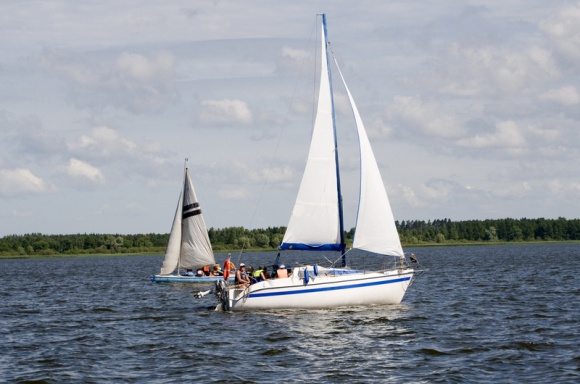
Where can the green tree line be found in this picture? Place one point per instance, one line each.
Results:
(412, 232)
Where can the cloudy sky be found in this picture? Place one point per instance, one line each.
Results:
(472, 107)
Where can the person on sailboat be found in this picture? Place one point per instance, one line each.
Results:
(242, 276)
(258, 274)
(282, 272)
(265, 273)
(217, 270)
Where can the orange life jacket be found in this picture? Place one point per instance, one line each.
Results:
(227, 269)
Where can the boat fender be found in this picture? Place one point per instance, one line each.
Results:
(306, 276)
(315, 268)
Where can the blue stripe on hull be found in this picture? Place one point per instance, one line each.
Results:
(311, 290)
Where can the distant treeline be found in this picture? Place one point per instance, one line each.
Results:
(412, 232)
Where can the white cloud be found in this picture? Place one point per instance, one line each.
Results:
(135, 208)
(512, 190)
(70, 66)
(506, 135)
(424, 117)
(565, 95)
(80, 170)
(409, 195)
(143, 68)
(564, 28)
(225, 112)
(21, 214)
(498, 70)
(21, 181)
(295, 54)
(131, 81)
(102, 142)
(544, 60)
(235, 194)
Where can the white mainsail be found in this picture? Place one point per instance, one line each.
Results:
(314, 223)
(189, 245)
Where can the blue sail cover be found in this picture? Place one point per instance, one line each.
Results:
(310, 247)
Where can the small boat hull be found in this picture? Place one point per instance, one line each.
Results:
(327, 290)
(186, 279)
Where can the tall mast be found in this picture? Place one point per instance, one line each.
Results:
(181, 207)
(338, 189)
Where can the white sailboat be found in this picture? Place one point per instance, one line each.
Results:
(316, 224)
(188, 248)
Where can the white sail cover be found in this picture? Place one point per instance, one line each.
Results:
(189, 245)
(375, 225)
(314, 223)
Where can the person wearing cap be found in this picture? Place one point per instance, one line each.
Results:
(282, 272)
(242, 276)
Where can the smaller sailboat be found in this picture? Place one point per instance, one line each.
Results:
(188, 249)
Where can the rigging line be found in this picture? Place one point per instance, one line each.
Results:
(277, 146)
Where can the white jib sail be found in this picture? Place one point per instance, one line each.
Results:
(196, 248)
(315, 217)
(375, 224)
(174, 244)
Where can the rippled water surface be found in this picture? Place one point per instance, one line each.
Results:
(505, 314)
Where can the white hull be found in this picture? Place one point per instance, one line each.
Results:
(327, 290)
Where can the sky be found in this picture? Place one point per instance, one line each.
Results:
(472, 109)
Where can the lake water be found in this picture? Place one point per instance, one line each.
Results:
(506, 314)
